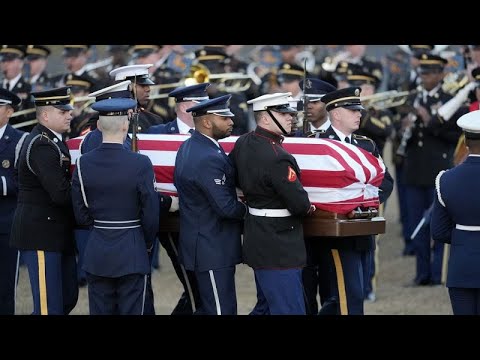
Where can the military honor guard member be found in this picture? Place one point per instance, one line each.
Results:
(43, 222)
(455, 221)
(341, 258)
(10, 143)
(113, 192)
(211, 215)
(140, 77)
(37, 60)
(317, 115)
(269, 176)
(185, 97)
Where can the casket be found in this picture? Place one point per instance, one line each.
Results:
(338, 178)
(321, 223)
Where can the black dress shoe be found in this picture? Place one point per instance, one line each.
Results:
(418, 283)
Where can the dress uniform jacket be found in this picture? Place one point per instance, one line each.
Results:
(167, 128)
(432, 144)
(44, 218)
(118, 187)
(386, 188)
(455, 213)
(210, 216)
(269, 177)
(146, 119)
(10, 145)
(376, 125)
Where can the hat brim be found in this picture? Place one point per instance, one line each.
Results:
(224, 114)
(353, 107)
(145, 81)
(64, 107)
(286, 110)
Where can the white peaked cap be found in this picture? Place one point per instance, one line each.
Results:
(123, 72)
(263, 102)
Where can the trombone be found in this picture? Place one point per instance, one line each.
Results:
(199, 74)
(385, 100)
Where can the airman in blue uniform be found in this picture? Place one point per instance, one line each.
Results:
(10, 143)
(211, 214)
(113, 192)
(455, 221)
(185, 97)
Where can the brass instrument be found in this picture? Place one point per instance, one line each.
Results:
(99, 64)
(454, 81)
(330, 63)
(385, 100)
(199, 74)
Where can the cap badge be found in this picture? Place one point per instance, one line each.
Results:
(424, 56)
(357, 92)
(5, 164)
(308, 84)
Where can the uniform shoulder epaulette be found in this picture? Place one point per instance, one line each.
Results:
(44, 139)
(314, 133)
(364, 138)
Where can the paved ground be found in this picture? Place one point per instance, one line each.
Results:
(393, 298)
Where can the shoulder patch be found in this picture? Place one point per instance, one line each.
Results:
(292, 175)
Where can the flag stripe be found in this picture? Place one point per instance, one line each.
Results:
(337, 176)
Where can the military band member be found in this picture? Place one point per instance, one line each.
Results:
(185, 98)
(10, 143)
(375, 124)
(211, 215)
(43, 222)
(113, 192)
(141, 82)
(341, 258)
(455, 221)
(269, 176)
(12, 59)
(75, 58)
(82, 114)
(37, 60)
(427, 139)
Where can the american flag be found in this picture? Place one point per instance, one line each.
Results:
(337, 176)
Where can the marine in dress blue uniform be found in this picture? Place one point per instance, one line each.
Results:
(341, 258)
(269, 176)
(211, 215)
(455, 221)
(43, 222)
(185, 97)
(10, 143)
(113, 192)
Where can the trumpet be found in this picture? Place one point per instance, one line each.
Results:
(385, 100)
(330, 63)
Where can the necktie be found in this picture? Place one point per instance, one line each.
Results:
(191, 131)
(7, 86)
(347, 140)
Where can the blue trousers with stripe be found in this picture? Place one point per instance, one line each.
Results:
(217, 292)
(53, 278)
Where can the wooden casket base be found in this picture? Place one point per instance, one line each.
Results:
(324, 223)
(321, 223)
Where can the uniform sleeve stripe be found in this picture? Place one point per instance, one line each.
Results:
(437, 188)
(4, 184)
(18, 148)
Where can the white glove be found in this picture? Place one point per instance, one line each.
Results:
(174, 206)
(447, 110)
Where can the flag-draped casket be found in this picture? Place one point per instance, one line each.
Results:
(338, 177)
